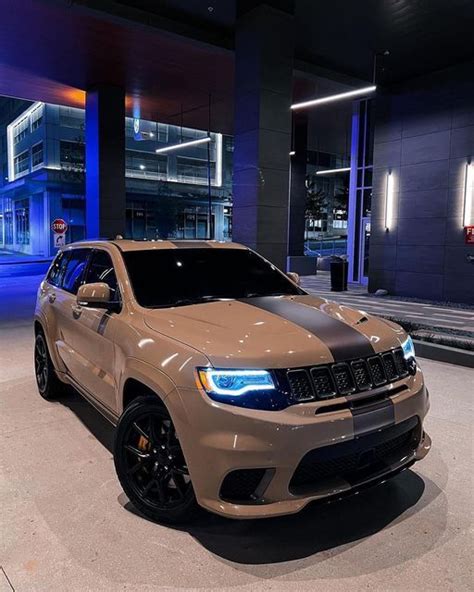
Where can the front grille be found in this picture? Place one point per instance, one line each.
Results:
(240, 485)
(356, 460)
(326, 382)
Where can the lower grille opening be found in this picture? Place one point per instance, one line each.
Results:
(356, 460)
(240, 485)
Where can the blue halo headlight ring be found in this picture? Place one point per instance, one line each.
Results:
(234, 383)
(409, 354)
(408, 348)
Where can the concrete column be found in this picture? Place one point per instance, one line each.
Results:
(105, 162)
(297, 201)
(264, 67)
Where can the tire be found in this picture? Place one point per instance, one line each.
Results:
(150, 463)
(47, 381)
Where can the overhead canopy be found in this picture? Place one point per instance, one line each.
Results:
(171, 55)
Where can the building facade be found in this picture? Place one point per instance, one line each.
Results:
(423, 187)
(183, 193)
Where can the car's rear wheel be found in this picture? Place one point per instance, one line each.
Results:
(49, 385)
(150, 463)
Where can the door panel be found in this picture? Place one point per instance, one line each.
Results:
(94, 353)
(93, 339)
(63, 305)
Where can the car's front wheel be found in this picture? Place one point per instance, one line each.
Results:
(150, 463)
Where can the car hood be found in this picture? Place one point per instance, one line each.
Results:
(275, 331)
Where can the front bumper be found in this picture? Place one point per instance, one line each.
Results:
(218, 439)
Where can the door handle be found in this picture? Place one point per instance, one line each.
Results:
(76, 310)
(52, 297)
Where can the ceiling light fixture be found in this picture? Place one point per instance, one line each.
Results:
(334, 171)
(331, 98)
(183, 145)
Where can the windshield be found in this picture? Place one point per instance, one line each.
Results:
(176, 277)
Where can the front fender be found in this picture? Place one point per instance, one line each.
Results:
(153, 378)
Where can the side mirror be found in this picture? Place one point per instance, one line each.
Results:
(95, 295)
(294, 277)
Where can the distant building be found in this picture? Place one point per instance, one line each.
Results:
(43, 154)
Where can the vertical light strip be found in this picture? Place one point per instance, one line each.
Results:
(10, 128)
(218, 175)
(468, 195)
(389, 202)
(10, 155)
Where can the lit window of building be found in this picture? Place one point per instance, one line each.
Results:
(37, 155)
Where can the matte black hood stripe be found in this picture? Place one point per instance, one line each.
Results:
(344, 342)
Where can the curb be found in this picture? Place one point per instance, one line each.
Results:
(20, 262)
(444, 353)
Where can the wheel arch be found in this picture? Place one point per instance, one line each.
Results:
(40, 325)
(133, 388)
(139, 379)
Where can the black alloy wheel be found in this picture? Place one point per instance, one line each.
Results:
(48, 383)
(150, 463)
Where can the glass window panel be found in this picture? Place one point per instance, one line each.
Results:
(21, 162)
(37, 154)
(101, 269)
(75, 270)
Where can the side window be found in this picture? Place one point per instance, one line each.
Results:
(75, 270)
(57, 269)
(101, 269)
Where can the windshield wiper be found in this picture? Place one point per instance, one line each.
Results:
(197, 300)
(258, 295)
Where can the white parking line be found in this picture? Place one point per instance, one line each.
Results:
(417, 311)
(450, 311)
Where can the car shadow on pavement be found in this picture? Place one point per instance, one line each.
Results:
(96, 423)
(319, 527)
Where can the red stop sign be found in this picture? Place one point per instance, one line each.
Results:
(59, 226)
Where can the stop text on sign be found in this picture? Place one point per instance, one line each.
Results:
(59, 226)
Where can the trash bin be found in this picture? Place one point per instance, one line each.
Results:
(339, 269)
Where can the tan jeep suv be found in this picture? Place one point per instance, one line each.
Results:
(230, 386)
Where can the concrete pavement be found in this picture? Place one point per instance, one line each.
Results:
(66, 525)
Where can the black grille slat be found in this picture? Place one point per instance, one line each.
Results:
(389, 365)
(400, 362)
(300, 385)
(323, 382)
(377, 370)
(344, 378)
(361, 375)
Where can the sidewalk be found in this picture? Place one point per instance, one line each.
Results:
(425, 314)
(9, 258)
